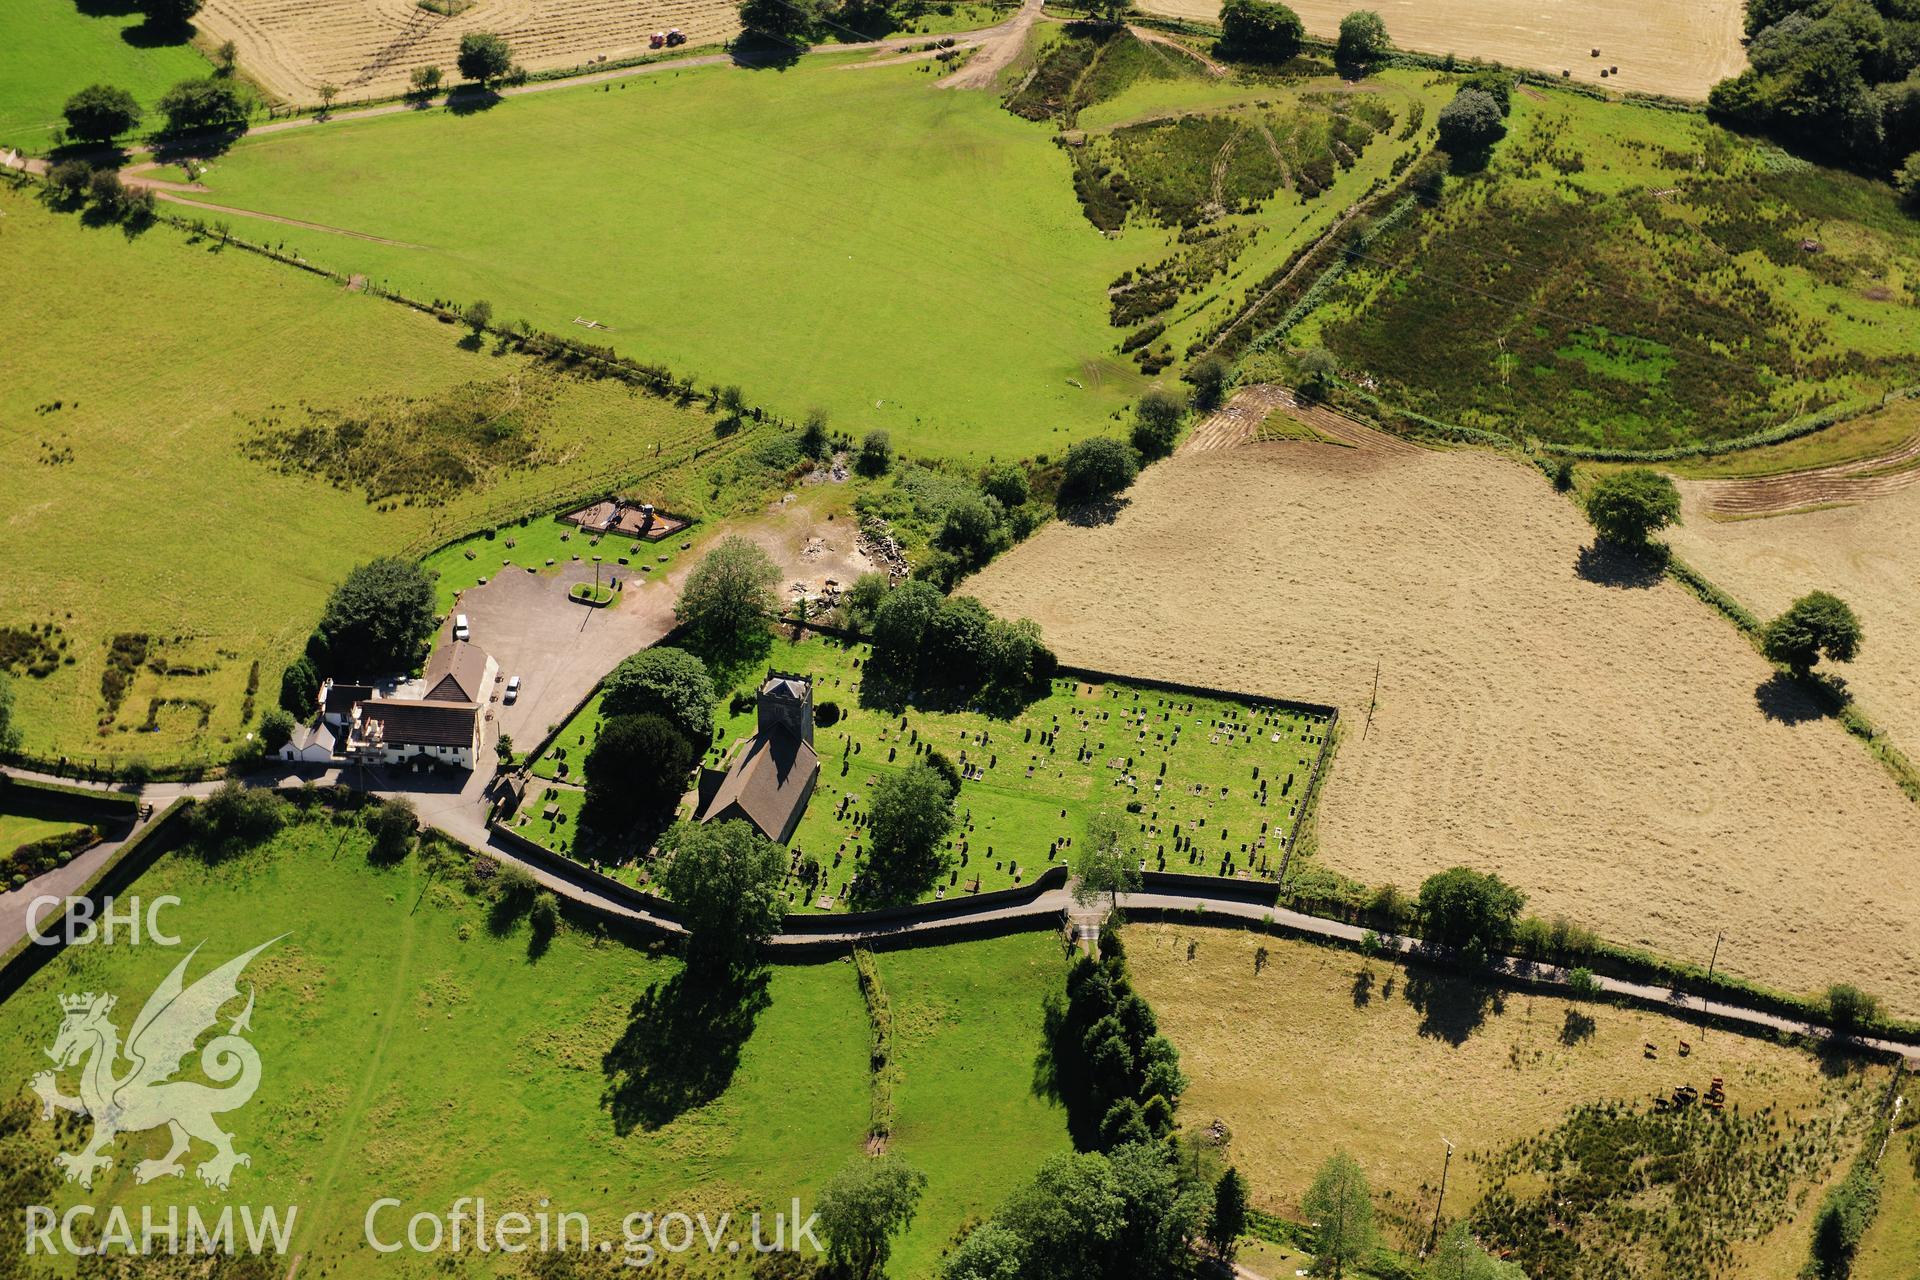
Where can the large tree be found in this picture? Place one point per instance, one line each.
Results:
(989, 1252)
(663, 681)
(1097, 468)
(910, 813)
(726, 879)
(1470, 123)
(899, 625)
(862, 1207)
(785, 22)
(1228, 1221)
(1341, 1208)
(484, 57)
(1156, 423)
(170, 14)
(1108, 859)
(636, 770)
(377, 620)
(1259, 31)
(1363, 39)
(728, 597)
(1629, 506)
(212, 103)
(1471, 911)
(1815, 624)
(100, 113)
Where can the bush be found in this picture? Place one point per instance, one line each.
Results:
(393, 823)
(876, 454)
(276, 727)
(1005, 483)
(236, 816)
(1209, 379)
(1849, 1009)
(107, 191)
(975, 531)
(1629, 505)
(1096, 469)
(70, 179)
(100, 113)
(299, 688)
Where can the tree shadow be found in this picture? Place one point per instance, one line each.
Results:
(1092, 515)
(755, 51)
(1608, 564)
(1452, 1008)
(157, 35)
(681, 1046)
(470, 99)
(1363, 988)
(1788, 701)
(1577, 1029)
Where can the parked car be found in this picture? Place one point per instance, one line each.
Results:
(460, 629)
(513, 689)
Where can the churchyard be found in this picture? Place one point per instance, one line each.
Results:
(1217, 786)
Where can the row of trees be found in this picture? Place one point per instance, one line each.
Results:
(952, 648)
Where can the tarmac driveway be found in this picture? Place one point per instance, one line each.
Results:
(558, 648)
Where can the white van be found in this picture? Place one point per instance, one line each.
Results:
(460, 631)
(513, 689)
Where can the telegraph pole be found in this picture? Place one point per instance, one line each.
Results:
(1703, 995)
(1433, 1237)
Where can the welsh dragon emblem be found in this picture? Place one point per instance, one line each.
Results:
(143, 1095)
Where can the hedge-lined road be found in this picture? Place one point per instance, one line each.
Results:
(462, 816)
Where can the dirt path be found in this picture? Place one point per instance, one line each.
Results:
(1147, 35)
(998, 47)
(1856, 481)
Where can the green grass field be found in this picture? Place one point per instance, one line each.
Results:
(56, 48)
(17, 829)
(134, 374)
(1205, 814)
(414, 1046)
(967, 1023)
(936, 280)
(1632, 278)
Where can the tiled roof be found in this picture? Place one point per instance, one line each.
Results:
(455, 672)
(768, 783)
(428, 723)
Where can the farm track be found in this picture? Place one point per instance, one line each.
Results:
(997, 47)
(1856, 481)
(1238, 423)
(1147, 35)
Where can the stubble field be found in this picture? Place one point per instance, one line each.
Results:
(1863, 552)
(368, 48)
(1617, 751)
(1679, 49)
